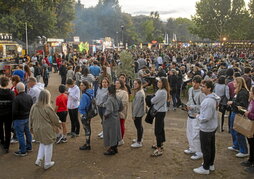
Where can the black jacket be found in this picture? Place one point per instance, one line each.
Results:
(21, 106)
(241, 99)
(6, 99)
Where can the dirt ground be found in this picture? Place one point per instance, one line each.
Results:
(128, 163)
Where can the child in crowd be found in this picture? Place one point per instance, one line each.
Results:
(62, 111)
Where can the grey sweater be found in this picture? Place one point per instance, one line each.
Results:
(160, 100)
(138, 104)
(198, 97)
(221, 90)
(208, 117)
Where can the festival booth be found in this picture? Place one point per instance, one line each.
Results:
(9, 49)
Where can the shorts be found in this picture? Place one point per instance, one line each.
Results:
(62, 115)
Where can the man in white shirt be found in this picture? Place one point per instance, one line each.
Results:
(34, 88)
(72, 105)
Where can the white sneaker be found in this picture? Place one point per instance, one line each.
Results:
(241, 155)
(49, 165)
(188, 151)
(100, 134)
(38, 162)
(233, 149)
(135, 140)
(101, 137)
(120, 143)
(201, 171)
(196, 157)
(14, 141)
(136, 145)
(212, 168)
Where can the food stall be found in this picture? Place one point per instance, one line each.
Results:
(9, 49)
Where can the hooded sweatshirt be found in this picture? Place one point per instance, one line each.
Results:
(34, 92)
(85, 101)
(208, 117)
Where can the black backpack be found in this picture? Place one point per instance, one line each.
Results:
(92, 109)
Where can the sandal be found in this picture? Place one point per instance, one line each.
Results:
(156, 153)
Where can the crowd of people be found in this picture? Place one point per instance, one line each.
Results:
(215, 82)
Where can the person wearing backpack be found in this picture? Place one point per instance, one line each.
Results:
(222, 90)
(85, 103)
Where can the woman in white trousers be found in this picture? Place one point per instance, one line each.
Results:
(43, 124)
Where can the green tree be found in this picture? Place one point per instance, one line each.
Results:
(215, 19)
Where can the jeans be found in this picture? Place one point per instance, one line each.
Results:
(75, 126)
(95, 85)
(87, 127)
(159, 128)
(139, 127)
(207, 140)
(21, 127)
(174, 99)
(239, 141)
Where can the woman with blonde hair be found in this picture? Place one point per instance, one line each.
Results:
(240, 100)
(43, 124)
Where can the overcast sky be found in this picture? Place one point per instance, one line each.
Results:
(166, 8)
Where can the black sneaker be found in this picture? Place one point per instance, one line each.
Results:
(29, 150)
(64, 140)
(110, 152)
(18, 153)
(246, 163)
(59, 138)
(250, 169)
(85, 147)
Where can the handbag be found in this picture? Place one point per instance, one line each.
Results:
(223, 102)
(244, 126)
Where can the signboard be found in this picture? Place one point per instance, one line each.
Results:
(76, 39)
(55, 40)
(5, 36)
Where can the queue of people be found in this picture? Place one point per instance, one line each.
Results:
(216, 82)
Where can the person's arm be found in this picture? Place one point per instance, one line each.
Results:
(137, 106)
(109, 108)
(206, 113)
(53, 117)
(159, 96)
(31, 119)
(15, 108)
(227, 92)
(83, 104)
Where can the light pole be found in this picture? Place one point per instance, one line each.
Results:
(122, 26)
(117, 39)
(26, 39)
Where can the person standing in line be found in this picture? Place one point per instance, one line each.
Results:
(43, 124)
(138, 111)
(240, 100)
(208, 123)
(37, 71)
(111, 124)
(101, 98)
(62, 112)
(63, 73)
(45, 74)
(73, 104)
(192, 131)
(34, 88)
(123, 96)
(250, 115)
(159, 102)
(221, 89)
(6, 98)
(85, 102)
(70, 73)
(20, 113)
(95, 70)
(78, 75)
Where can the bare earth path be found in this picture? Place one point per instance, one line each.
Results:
(128, 163)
